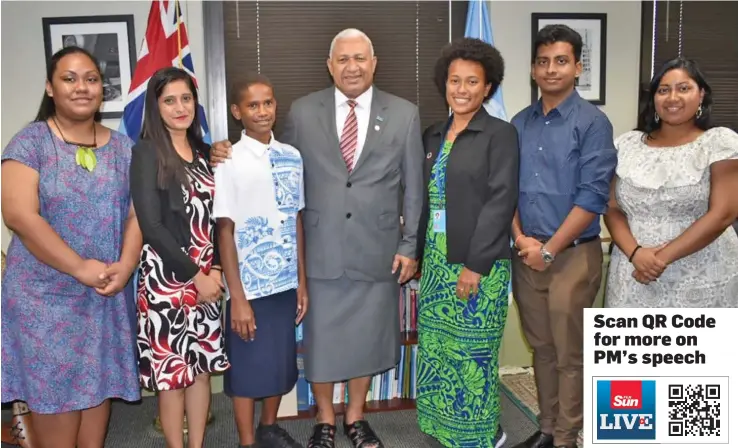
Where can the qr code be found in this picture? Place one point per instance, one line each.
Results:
(694, 410)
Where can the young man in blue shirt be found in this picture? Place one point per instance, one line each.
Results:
(567, 161)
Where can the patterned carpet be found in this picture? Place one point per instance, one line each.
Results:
(519, 385)
(131, 427)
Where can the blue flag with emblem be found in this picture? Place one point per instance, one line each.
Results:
(479, 26)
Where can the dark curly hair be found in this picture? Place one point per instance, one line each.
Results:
(647, 118)
(475, 50)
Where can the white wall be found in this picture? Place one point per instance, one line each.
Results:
(511, 22)
(23, 69)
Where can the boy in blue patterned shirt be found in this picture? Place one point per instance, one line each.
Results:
(258, 199)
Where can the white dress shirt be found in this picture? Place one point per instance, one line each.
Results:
(363, 110)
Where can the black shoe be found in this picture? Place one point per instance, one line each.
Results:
(274, 436)
(537, 440)
(362, 435)
(324, 436)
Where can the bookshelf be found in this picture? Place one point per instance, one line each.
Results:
(392, 390)
(295, 406)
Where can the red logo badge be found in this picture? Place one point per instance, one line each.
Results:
(626, 395)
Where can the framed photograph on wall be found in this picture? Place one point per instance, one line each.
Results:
(593, 29)
(111, 39)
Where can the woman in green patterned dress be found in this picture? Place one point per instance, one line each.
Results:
(471, 174)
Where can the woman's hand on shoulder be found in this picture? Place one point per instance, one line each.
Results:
(219, 152)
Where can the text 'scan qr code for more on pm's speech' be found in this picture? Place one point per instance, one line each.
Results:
(695, 410)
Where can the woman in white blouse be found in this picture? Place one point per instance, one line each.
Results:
(674, 200)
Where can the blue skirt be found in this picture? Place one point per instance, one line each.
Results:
(266, 366)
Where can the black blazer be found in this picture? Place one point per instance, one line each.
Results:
(481, 190)
(161, 213)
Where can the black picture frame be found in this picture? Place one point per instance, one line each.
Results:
(593, 28)
(111, 38)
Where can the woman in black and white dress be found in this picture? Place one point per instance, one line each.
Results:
(180, 341)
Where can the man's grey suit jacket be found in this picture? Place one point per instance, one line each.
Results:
(352, 221)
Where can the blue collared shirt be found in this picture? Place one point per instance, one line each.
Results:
(567, 159)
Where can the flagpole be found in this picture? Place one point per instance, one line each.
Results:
(450, 17)
(481, 36)
(179, 37)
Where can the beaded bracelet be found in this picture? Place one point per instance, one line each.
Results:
(630, 260)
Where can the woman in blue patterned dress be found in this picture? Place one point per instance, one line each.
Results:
(67, 316)
(471, 173)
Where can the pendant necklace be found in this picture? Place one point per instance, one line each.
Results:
(85, 155)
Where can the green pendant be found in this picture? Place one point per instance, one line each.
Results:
(86, 158)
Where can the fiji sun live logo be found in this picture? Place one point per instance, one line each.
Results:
(625, 410)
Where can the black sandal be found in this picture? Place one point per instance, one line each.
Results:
(362, 435)
(324, 436)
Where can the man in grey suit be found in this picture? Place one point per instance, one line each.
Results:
(363, 159)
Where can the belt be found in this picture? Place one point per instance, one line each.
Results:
(574, 243)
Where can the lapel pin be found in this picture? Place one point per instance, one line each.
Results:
(379, 118)
(430, 154)
(376, 127)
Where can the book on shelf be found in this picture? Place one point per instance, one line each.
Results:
(398, 383)
(409, 307)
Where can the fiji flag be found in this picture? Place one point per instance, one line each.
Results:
(479, 26)
(165, 45)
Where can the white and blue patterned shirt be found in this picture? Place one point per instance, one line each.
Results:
(260, 188)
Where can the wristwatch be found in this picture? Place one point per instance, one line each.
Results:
(547, 256)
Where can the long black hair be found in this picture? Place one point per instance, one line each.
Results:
(171, 167)
(647, 119)
(47, 109)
